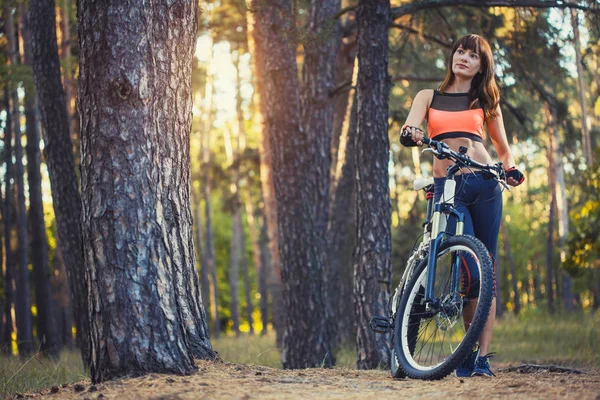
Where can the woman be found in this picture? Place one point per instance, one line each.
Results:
(467, 100)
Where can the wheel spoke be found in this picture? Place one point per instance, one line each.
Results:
(429, 339)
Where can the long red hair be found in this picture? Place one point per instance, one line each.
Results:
(484, 90)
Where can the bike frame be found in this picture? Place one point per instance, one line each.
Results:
(435, 222)
(442, 210)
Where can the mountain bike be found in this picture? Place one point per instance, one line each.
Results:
(429, 334)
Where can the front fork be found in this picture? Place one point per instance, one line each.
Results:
(441, 212)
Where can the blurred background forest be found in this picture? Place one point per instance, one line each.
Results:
(548, 69)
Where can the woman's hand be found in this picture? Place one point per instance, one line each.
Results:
(514, 177)
(411, 135)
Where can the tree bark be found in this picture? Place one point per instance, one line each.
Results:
(23, 299)
(66, 61)
(59, 158)
(319, 78)
(552, 215)
(261, 261)
(46, 324)
(204, 270)
(146, 312)
(273, 274)
(372, 263)
(563, 215)
(211, 263)
(9, 260)
(306, 342)
(62, 300)
(585, 132)
(341, 237)
(239, 151)
(247, 286)
(234, 271)
(263, 277)
(346, 55)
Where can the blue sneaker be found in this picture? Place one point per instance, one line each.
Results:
(465, 368)
(482, 366)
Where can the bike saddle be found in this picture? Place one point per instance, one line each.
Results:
(422, 183)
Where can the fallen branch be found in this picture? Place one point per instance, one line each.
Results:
(529, 368)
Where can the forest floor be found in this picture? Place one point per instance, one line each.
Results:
(222, 380)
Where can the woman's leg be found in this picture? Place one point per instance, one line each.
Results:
(486, 336)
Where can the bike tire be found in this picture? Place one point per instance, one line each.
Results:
(395, 369)
(426, 355)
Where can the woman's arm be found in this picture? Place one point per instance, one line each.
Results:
(417, 113)
(497, 133)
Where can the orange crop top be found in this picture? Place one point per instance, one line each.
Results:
(449, 116)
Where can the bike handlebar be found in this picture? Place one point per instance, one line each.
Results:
(442, 151)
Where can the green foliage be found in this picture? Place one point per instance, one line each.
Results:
(226, 19)
(584, 236)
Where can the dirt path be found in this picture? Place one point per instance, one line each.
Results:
(235, 381)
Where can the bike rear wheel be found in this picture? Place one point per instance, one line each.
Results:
(430, 344)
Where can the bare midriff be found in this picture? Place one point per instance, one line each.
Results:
(475, 150)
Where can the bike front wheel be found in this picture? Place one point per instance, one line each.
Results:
(429, 342)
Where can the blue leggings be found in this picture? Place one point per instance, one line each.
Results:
(480, 200)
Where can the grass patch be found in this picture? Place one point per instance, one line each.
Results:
(537, 337)
(249, 349)
(569, 340)
(25, 375)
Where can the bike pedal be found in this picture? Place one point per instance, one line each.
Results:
(381, 324)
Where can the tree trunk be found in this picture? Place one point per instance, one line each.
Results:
(239, 151)
(236, 222)
(341, 238)
(346, 54)
(9, 260)
(3, 283)
(537, 284)
(317, 106)
(62, 301)
(306, 341)
(273, 273)
(263, 278)
(499, 296)
(234, 272)
(319, 78)
(59, 158)
(513, 272)
(260, 261)
(551, 217)
(146, 312)
(204, 270)
(46, 324)
(563, 215)
(206, 191)
(23, 300)
(247, 286)
(67, 63)
(585, 132)
(211, 264)
(372, 263)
